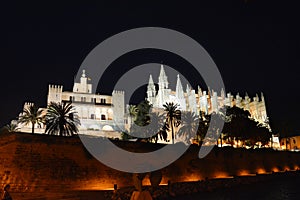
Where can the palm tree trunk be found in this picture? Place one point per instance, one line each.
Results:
(221, 140)
(32, 128)
(172, 130)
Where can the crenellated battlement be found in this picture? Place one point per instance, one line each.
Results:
(28, 104)
(55, 88)
(118, 92)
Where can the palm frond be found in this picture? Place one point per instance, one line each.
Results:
(61, 119)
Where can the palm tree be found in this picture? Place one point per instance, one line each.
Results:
(133, 110)
(190, 123)
(173, 116)
(31, 114)
(12, 127)
(154, 129)
(61, 119)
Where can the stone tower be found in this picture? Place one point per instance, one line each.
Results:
(83, 86)
(55, 93)
(118, 105)
(151, 92)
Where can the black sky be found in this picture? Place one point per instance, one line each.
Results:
(255, 45)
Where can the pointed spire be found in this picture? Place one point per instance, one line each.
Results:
(187, 88)
(208, 91)
(262, 96)
(163, 79)
(162, 71)
(150, 80)
(179, 88)
(199, 91)
(151, 87)
(256, 97)
(223, 93)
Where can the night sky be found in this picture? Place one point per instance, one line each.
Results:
(255, 45)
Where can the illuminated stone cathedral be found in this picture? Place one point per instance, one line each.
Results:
(205, 101)
(105, 115)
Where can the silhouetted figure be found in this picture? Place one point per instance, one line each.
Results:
(6, 195)
(140, 194)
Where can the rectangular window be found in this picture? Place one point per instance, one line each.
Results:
(103, 101)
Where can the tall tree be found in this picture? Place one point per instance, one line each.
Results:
(189, 126)
(155, 126)
(203, 127)
(142, 116)
(31, 114)
(61, 119)
(173, 116)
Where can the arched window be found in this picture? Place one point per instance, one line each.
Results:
(103, 117)
(93, 116)
(72, 98)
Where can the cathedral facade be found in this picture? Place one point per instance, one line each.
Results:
(205, 101)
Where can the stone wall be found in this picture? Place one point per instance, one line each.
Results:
(41, 163)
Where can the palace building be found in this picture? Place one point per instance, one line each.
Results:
(97, 113)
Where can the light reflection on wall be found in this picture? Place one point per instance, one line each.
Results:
(222, 175)
(286, 168)
(192, 177)
(275, 169)
(243, 173)
(261, 171)
(96, 185)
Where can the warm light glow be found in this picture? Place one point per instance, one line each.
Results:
(275, 169)
(261, 171)
(107, 128)
(243, 173)
(286, 168)
(146, 181)
(96, 185)
(222, 175)
(192, 178)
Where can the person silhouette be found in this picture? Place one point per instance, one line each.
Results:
(6, 195)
